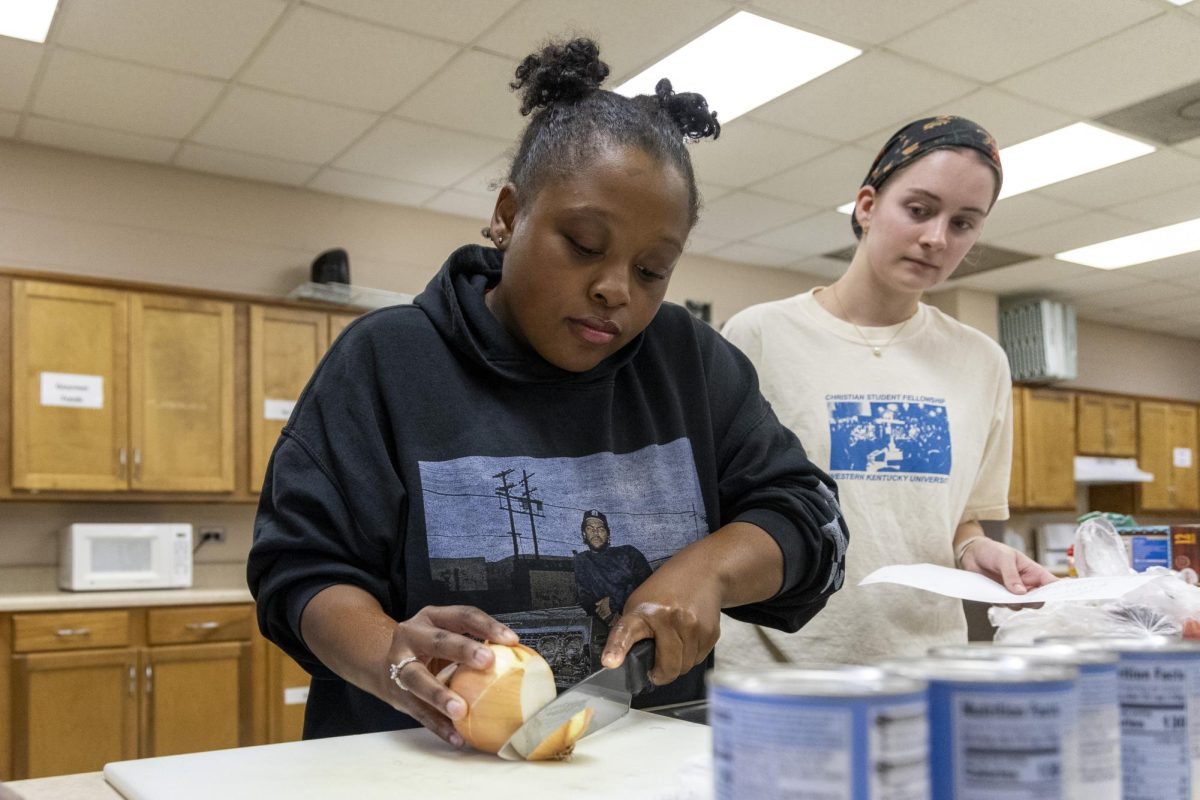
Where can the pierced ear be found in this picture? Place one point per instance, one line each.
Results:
(504, 216)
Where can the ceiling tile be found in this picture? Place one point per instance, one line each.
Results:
(1070, 233)
(268, 124)
(119, 96)
(1191, 146)
(418, 153)
(1026, 277)
(1150, 174)
(710, 192)
(1024, 211)
(885, 89)
(820, 233)
(1184, 305)
(324, 56)
(1146, 294)
(210, 38)
(8, 123)
(371, 187)
(827, 181)
(741, 214)
(856, 22)
(1167, 269)
(1105, 76)
(486, 180)
(456, 20)
(1095, 281)
(749, 150)
(1163, 209)
(632, 34)
(471, 94)
(1009, 118)
(992, 39)
(18, 65)
(464, 204)
(244, 165)
(699, 244)
(746, 253)
(101, 141)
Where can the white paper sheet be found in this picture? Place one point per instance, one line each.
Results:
(972, 586)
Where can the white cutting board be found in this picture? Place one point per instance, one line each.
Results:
(639, 757)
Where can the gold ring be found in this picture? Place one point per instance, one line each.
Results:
(394, 671)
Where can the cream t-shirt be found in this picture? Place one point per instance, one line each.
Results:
(918, 439)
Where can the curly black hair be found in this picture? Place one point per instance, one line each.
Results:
(571, 118)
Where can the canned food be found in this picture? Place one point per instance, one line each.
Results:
(999, 729)
(1158, 691)
(836, 732)
(1098, 761)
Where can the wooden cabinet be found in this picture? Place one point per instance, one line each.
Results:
(1046, 448)
(96, 686)
(338, 323)
(287, 692)
(1016, 482)
(121, 391)
(1167, 448)
(1106, 426)
(285, 347)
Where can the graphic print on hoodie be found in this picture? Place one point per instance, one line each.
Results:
(505, 533)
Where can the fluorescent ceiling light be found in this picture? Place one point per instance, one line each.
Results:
(1138, 248)
(1179, 2)
(742, 63)
(26, 19)
(1065, 153)
(847, 208)
(1056, 156)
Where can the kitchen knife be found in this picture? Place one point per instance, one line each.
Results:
(608, 692)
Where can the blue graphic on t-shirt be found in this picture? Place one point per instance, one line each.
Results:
(880, 437)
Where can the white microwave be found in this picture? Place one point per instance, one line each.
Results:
(97, 556)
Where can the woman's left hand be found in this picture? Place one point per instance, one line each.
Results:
(1008, 567)
(677, 608)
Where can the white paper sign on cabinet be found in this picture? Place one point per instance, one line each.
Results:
(277, 409)
(72, 391)
(1183, 457)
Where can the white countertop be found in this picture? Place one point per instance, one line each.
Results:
(84, 786)
(36, 589)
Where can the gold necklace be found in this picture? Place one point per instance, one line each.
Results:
(876, 350)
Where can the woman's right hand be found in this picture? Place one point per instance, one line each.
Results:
(438, 633)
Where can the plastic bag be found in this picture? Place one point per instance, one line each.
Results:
(1099, 549)
(1082, 618)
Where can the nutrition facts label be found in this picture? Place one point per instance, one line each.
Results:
(1013, 745)
(774, 748)
(1099, 734)
(1159, 726)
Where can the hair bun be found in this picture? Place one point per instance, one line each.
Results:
(560, 72)
(689, 111)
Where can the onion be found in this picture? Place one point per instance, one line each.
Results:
(500, 698)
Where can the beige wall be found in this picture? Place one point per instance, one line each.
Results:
(1115, 359)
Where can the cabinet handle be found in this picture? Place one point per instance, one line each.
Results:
(137, 463)
(132, 681)
(149, 679)
(73, 632)
(122, 462)
(202, 626)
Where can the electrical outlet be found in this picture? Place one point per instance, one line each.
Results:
(212, 533)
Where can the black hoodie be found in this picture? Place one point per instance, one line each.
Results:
(435, 460)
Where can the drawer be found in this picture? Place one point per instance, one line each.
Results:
(199, 624)
(70, 630)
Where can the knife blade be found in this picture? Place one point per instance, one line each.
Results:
(608, 692)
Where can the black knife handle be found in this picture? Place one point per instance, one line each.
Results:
(641, 661)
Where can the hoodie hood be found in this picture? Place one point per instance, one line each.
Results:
(454, 303)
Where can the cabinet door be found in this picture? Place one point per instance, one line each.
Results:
(1016, 483)
(1120, 418)
(338, 323)
(197, 697)
(1090, 430)
(285, 346)
(287, 688)
(1181, 431)
(181, 389)
(73, 712)
(70, 401)
(1154, 456)
(1049, 449)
